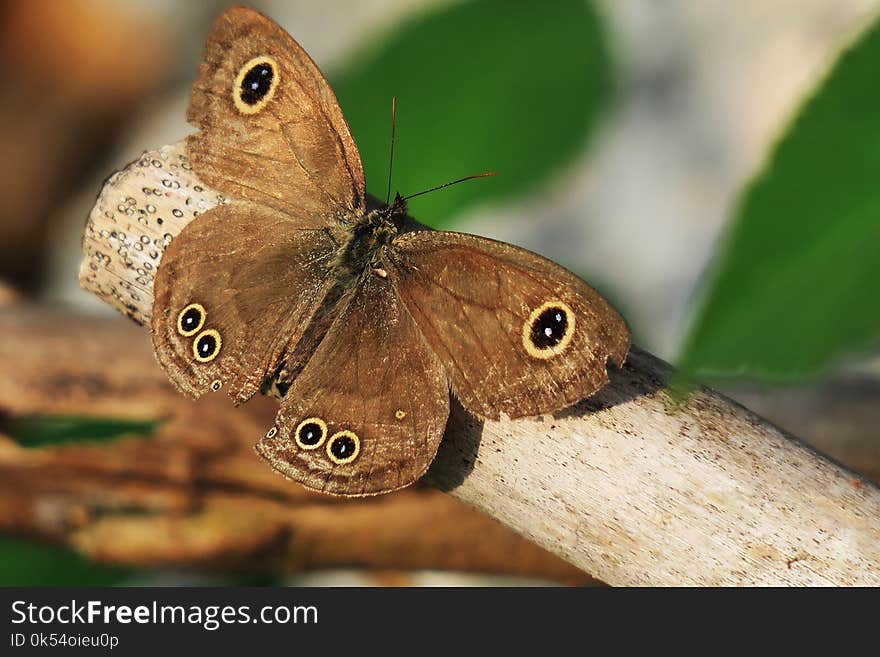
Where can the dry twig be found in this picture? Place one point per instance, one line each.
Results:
(194, 494)
(639, 489)
(628, 485)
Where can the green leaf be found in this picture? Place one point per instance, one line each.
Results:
(512, 86)
(794, 287)
(24, 563)
(42, 430)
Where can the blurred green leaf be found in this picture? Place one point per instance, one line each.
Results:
(794, 287)
(512, 86)
(41, 430)
(24, 563)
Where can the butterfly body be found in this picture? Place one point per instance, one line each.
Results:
(358, 321)
(362, 251)
(369, 238)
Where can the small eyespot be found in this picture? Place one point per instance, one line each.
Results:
(548, 330)
(207, 345)
(343, 447)
(255, 84)
(271, 433)
(400, 415)
(216, 384)
(191, 319)
(310, 433)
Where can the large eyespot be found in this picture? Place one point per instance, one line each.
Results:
(207, 345)
(343, 447)
(310, 433)
(191, 319)
(548, 330)
(255, 84)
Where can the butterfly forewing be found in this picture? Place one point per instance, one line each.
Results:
(233, 292)
(516, 333)
(373, 384)
(271, 130)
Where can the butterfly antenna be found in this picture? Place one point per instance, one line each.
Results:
(487, 174)
(391, 159)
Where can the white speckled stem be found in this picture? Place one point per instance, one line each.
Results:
(638, 489)
(630, 485)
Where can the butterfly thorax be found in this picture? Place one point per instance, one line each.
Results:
(368, 238)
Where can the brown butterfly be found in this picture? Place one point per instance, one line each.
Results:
(359, 323)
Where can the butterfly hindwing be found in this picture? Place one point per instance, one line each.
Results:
(233, 291)
(271, 130)
(373, 384)
(516, 333)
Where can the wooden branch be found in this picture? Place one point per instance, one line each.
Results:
(639, 489)
(703, 493)
(630, 485)
(194, 494)
(839, 417)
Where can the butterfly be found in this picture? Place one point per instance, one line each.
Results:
(302, 286)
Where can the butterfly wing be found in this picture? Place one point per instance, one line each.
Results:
(366, 414)
(233, 291)
(271, 130)
(515, 332)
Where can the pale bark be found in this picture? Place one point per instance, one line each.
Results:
(632, 486)
(639, 488)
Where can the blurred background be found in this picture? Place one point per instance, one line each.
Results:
(709, 166)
